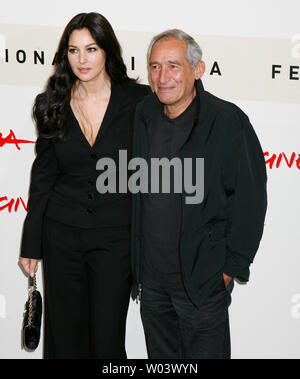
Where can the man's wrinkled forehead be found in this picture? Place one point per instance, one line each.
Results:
(168, 45)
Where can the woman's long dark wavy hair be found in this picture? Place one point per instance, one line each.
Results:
(51, 107)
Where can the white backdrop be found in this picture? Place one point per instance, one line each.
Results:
(246, 39)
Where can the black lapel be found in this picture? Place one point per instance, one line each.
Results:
(199, 145)
(206, 114)
(203, 125)
(117, 97)
(151, 119)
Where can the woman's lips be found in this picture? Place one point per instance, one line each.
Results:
(84, 70)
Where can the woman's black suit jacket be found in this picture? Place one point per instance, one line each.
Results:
(63, 177)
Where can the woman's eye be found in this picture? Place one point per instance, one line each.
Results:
(90, 50)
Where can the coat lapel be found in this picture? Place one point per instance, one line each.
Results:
(117, 97)
(206, 114)
(151, 122)
(199, 134)
(202, 141)
(197, 141)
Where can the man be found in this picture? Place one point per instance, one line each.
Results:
(186, 254)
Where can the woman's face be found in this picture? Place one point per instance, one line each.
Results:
(86, 58)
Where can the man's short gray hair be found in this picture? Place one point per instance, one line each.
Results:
(193, 50)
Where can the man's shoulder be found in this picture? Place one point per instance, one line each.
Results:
(228, 116)
(148, 105)
(224, 107)
(136, 90)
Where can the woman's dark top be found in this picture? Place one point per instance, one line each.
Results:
(63, 176)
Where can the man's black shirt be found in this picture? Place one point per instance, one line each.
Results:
(162, 211)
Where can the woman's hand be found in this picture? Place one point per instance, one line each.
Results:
(29, 265)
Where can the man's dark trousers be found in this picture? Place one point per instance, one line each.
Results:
(176, 329)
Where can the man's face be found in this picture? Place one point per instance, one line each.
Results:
(170, 72)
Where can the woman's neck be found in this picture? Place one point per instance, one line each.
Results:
(93, 89)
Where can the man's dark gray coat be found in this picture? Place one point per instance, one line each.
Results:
(223, 232)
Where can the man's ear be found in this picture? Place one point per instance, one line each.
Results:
(199, 70)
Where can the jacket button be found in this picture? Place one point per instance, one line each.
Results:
(93, 157)
(90, 196)
(89, 211)
(90, 182)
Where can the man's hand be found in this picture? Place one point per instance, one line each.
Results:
(29, 265)
(227, 279)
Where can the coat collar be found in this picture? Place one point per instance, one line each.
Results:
(117, 98)
(206, 113)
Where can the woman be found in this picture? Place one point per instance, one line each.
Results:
(83, 237)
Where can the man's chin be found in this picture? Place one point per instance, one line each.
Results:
(165, 98)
